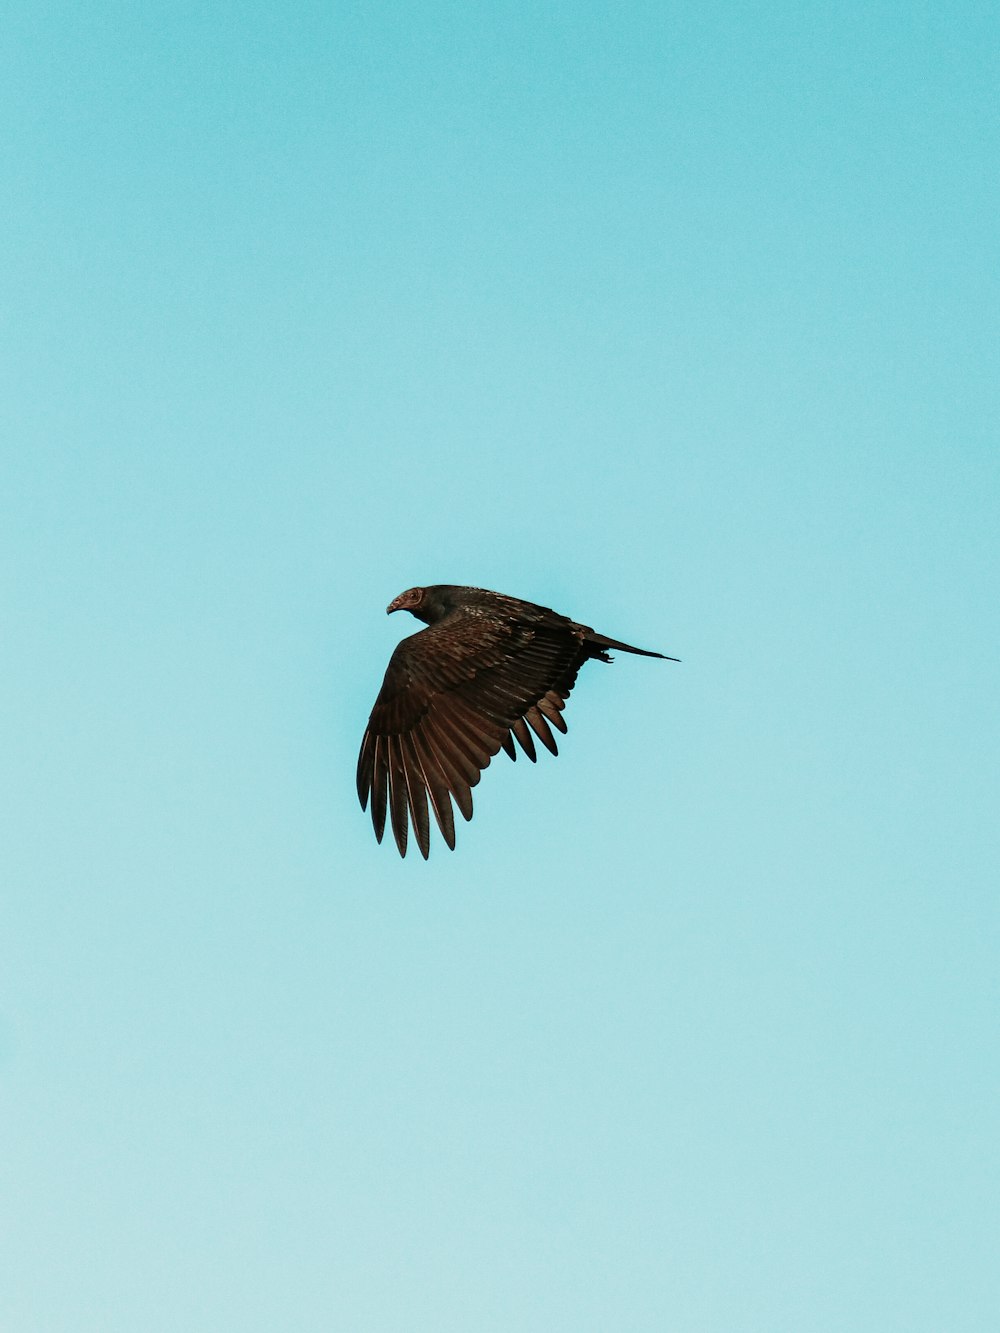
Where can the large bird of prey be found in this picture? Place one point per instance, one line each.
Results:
(487, 669)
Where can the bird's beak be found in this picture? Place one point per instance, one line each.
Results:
(393, 606)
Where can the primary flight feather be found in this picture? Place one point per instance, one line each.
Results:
(487, 671)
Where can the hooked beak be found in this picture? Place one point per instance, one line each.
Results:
(393, 606)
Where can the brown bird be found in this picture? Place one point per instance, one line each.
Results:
(488, 668)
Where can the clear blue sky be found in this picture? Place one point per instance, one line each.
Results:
(681, 318)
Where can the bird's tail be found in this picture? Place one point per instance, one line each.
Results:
(603, 642)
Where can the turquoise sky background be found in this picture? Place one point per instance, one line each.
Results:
(681, 319)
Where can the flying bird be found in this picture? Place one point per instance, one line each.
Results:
(489, 670)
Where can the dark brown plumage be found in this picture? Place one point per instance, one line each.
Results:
(489, 669)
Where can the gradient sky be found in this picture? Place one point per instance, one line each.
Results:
(681, 319)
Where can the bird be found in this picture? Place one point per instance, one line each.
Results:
(488, 670)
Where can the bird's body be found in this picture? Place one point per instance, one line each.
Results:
(489, 669)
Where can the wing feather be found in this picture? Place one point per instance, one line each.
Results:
(437, 785)
(379, 786)
(416, 792)
(541, 729)
(365, 769)
(397, 793)
(460, 771)
(520, 730)
(467, 750)
(550, 705)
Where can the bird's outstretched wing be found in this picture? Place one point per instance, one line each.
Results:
(453, 695)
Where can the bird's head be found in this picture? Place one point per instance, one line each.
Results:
(406, 601)
(424, 603)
